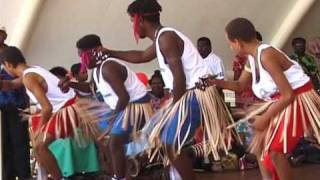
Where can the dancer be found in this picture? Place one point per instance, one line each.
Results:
(182, 67)
(294, 107)
(57, 117)
(123, 92)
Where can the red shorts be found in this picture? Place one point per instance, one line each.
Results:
(60, 124)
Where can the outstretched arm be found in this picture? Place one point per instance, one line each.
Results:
(238, 86)
(172, 47)
(134, 56)
(37, 86)
(65, 84)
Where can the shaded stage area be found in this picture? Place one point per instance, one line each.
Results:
(305, 172)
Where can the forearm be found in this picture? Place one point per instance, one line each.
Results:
(83, 87)
(9, 85)
(179, 89)
(130, 56)
(230, 85)
(278, 106)
(45, 115)
(121, 104)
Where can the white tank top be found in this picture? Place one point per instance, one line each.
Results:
(55, 96)
(134, 86)
(193, 64)
(266, 87)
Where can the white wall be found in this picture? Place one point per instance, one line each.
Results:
(9, 11)
(309, 27)
(62, 22)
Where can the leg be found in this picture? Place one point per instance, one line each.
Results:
(281, 165)
(45, 157)
(266, 175)
(116, 147)
(183, 164)
(20, 144)
(8, 170)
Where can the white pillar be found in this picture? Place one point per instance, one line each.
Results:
(292, 20)
(26, 20)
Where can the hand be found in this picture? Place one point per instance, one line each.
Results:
(202, 84)
(37, 132)
(211, 80)
(259, 122)
(64, 85)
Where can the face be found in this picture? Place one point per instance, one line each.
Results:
(82, 76)
(204, 48)
(141, 27)
(9, 69)
(157, 87)
(87, 57)
(236, 46)
(299, 48)
(3, 37)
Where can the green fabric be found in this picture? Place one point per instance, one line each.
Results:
(72, 158)
(308, 64)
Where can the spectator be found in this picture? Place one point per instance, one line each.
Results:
(314, 49)
(245, 98)
(306, 61)
(158, 94)
(213, 61)
(15, 136)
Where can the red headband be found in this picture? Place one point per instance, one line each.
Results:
(85, 60)
(136, 19)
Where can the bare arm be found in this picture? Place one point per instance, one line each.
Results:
(7, 85)
(116, 74)
(238, 86)
(37, 86)
(172, 47)
(134, 56)
(65, 84)
(81, 86)
(275, 63)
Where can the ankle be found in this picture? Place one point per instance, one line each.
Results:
(114, 177)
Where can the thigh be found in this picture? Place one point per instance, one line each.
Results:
(189, 127)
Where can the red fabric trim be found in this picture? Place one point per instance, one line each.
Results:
(307, 87)
(51, 124)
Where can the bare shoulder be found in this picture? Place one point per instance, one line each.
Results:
(273, 56)
(167, 37)
(31, 79)
(113, 70)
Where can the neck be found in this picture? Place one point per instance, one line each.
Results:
(21, 68)
(252, 48)
(152, 30)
